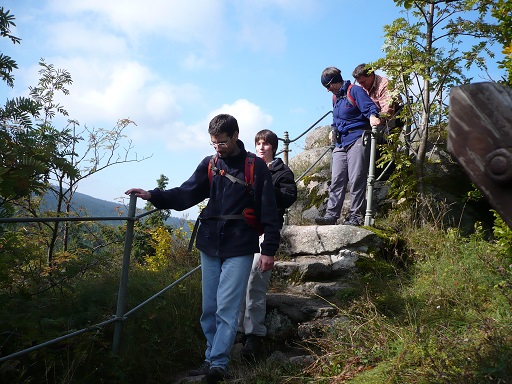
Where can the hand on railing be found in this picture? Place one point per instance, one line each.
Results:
(374, 121)
(139, 192)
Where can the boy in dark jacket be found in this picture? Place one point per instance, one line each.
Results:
(252, 314)
(226, 242)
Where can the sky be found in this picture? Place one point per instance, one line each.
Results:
(171, 65)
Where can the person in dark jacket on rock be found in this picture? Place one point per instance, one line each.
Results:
(227, 243)
(252, 314)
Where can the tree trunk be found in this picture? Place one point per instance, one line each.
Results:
(424, 126)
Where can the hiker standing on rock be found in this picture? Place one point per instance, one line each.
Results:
(226, 241)
(354, 113)
(252, 313)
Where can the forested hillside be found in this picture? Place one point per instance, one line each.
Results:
(85, 205)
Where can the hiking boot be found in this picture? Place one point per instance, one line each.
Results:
(240, 338)
(354, 221)
(253, 348)
(327, 220)
(215, 375)
(201, 371)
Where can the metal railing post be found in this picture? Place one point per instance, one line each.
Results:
(123, 283)
(368, 219)
(286, 149)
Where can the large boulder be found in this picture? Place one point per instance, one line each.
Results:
(325, 240)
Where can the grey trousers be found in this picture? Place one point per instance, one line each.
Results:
(349, 166)
(251, 319)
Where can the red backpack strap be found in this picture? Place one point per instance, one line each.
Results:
(248, 171)
(212, 165)
(350, 99)
(249, 168)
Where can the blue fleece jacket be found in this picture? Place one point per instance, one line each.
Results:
(220, 237)
(348, 120)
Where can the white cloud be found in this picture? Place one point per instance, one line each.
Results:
(107, 90)
(77, 37)
(250, 117)
(104, 45)
(183, 21)
(182, 137)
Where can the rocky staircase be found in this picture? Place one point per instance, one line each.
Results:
(314, 264)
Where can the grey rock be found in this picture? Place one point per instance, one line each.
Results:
(299, 308)
(319, 137)
(279, 326)
(302, 361)
(325, 240)
(315, 329)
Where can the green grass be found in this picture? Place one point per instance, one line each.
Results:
(444, 317)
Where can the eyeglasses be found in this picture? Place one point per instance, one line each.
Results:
(220, 144)
(328, 85)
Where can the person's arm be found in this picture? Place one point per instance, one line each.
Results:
(190, 193)
(285, 189)
(139, 192)
(385, 99)
(265, 263)
(366, 105)
(269, 220)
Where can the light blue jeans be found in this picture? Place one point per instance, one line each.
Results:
(224, 286)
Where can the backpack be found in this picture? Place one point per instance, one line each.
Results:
(248, 172)
(249, 214)
(350, 99)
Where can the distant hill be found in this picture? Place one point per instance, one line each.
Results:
(101, 208)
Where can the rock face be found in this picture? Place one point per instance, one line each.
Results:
(324, 240)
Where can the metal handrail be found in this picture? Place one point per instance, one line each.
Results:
(287, 141)
(330, 148)
(120, 315)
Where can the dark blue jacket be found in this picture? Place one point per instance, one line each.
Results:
(348, 120)
(220, 237)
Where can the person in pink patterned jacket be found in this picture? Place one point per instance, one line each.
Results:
(377, 88)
